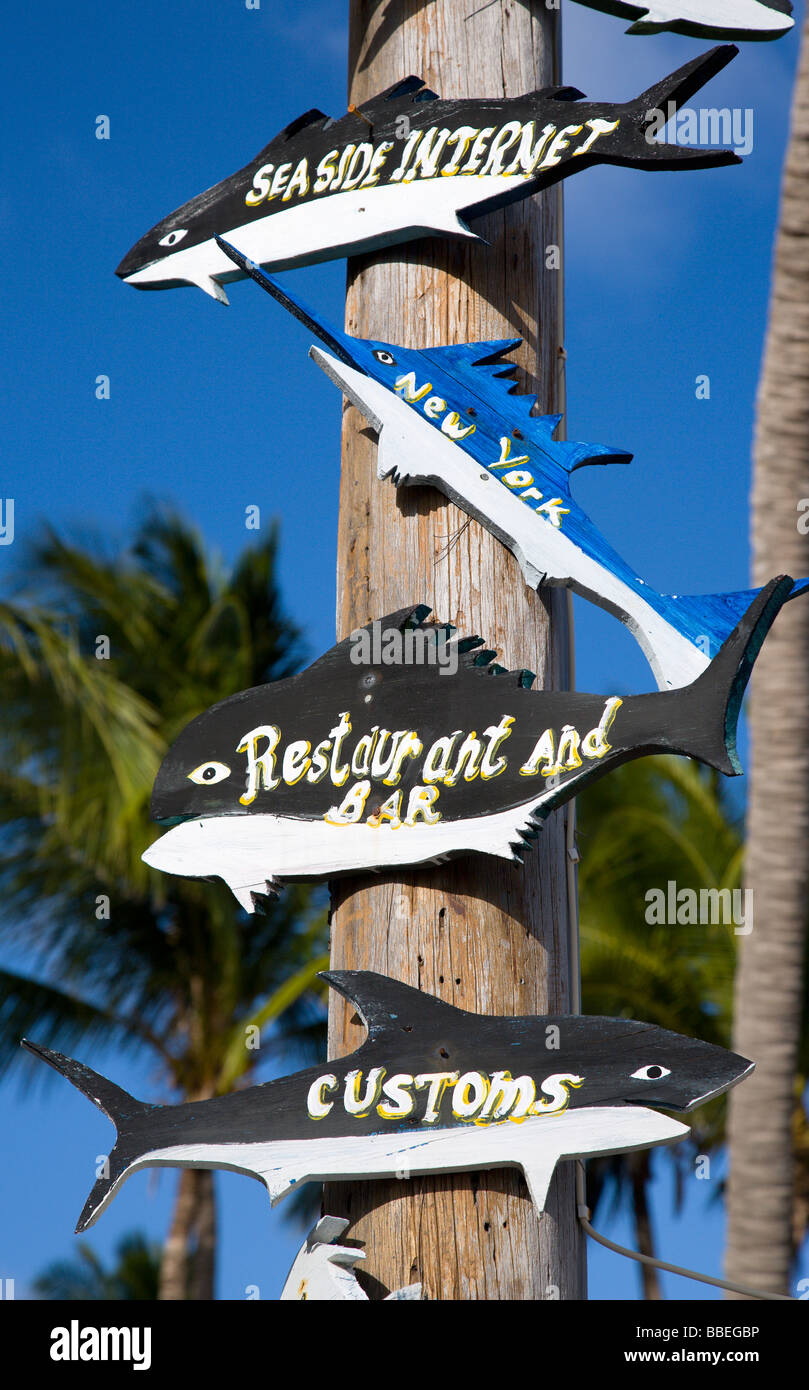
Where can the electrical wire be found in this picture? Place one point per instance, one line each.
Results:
(677, 1269)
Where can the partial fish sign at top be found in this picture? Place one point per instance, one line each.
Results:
(703, 19)
(404, 165)
(449, 416)
(404, 745)
(432, 1089)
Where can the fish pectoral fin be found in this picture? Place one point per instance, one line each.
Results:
(328, 1229)
(278, 1183)
(251, 896)
(398, 461)
(210, 286)
(345, 1255)
(647, 26)
(245, 895)
(538, 1173)
(452, 224)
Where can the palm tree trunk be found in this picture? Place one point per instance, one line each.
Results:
(768, 986)
(203, 1273)
(174, 1264)
(188, 1266)
(644, 1235)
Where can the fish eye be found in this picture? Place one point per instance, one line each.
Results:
(651, 1073)
(207, 773)
(171, 238)
(382, 356)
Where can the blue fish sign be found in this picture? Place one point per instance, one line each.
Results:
(407, 164)
(449, 416)
(703, 19)
(432, 1089)
(404, 744)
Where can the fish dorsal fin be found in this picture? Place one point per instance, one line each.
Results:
(472, 653)
(482, 373)
(570, 453)
(411, 617)
(388, 1006)
(312, 117)
(564, 93)
(488, 353)
(411, 86)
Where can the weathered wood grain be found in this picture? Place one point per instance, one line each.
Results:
(485, 936)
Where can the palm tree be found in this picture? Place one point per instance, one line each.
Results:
(770, 989)
(649, 823)
(135, 1275)
(104, 658)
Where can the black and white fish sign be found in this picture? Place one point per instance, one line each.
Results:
(404, 744)
(433, 1089)
(407, 164)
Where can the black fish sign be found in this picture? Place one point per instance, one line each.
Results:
(406, 164)
(402, 745)
(433, 1089)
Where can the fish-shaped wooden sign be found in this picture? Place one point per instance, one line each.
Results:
(449, 416)
(703, 19)
(432, 1089)
(403, 745)
(407, 164)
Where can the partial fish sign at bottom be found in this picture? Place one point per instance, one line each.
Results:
(403, 745)
(323, 1271)
(432, 1089)
(450, 417)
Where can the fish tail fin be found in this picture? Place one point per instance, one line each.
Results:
(118, 1105)
(710, 706)
(680, 86)
(707, 620)
(665, 99)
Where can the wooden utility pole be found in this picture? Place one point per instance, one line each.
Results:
(477, 932)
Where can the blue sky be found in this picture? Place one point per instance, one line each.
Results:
(216, 409)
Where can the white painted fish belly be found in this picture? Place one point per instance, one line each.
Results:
(535, 1144)
(250, 851)
(359, 220)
